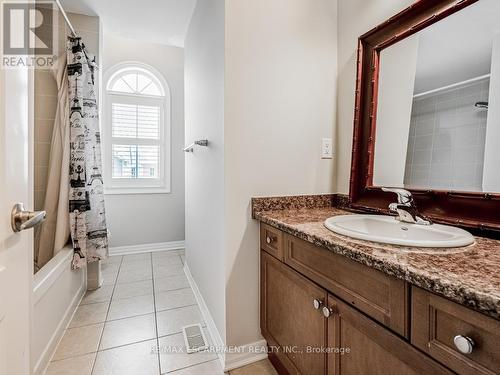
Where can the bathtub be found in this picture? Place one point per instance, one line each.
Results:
(57, 292)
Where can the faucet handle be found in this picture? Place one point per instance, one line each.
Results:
(404, 196)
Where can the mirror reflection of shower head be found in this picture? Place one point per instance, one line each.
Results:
(481, 105)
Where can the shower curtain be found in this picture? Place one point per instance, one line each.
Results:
(86, 195)
(53, 234)
(74, 199)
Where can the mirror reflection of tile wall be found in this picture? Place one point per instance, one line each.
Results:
(447, 139)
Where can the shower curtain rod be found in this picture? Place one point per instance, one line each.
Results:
(66, 18)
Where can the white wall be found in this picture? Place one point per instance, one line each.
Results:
(265, 130)
(279, 103)
(398, 65)
(204, 77)
(151, 218)
(354, 19)
(491, 177)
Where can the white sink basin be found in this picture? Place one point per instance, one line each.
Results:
(386, 229)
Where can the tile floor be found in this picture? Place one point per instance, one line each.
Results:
(124, 327)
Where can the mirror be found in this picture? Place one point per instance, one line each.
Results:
(438, 106)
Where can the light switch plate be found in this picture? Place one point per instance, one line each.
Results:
(326, 148)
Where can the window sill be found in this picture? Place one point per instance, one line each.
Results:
(136, 191)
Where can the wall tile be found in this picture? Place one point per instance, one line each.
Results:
(447, 139)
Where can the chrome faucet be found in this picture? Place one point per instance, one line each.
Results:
(406, 209)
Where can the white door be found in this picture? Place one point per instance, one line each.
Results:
(16, 249)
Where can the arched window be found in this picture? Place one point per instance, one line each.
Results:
(136, 130)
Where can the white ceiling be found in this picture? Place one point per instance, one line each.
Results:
(457, 48)
(155, 21)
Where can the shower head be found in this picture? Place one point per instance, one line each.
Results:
(481, 105)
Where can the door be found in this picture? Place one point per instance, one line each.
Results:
(358, 346)
(290, 319)
(16, 249)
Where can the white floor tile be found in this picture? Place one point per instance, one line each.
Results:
(103, 294)
(173, 354)
(168, 270)
(135, 359)
(128, 331)
(129, 275)
(79, 341)
(174, 298)
(128, 307)
(172, 321)
(138, 288)
(207, 368)
(128, 345)
(136, 258)
(164, 284)
(167, 260)
(166, 253)
(138, 265)
(110, 275)
(89, 314)
(81, 365)
(261, 368)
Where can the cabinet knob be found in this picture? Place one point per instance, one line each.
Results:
(317, 303)
(269, 240)
(464, 344)
(328, 311)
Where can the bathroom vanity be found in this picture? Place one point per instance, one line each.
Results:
(423, 297)
(334, 305)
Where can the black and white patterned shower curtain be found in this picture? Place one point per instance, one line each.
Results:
(86, 195)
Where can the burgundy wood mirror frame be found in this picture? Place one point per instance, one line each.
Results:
(466, 209)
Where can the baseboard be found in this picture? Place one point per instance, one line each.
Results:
(245, 354)
(147, 248)
(41, 366)
(207, 317)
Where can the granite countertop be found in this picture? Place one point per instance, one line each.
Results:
(467, 276)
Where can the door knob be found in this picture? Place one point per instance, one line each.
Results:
(328, 311)
(317, 303)
(464, 344)
(22, 219)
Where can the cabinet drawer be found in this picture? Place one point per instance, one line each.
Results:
(382, 297)
(271, 240)
(435, 323)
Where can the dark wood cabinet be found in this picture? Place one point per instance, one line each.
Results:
(323, 314)
(358, 345)
(288, 317)
(271, 240)
(438, 321)
(382, 297)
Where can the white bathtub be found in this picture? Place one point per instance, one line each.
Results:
(57, 291)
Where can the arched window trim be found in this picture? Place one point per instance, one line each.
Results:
(130, 68)
(136, 185)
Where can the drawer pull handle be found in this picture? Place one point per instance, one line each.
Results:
(464, 344)
(328, 311)
(317, 303)
(269, 240)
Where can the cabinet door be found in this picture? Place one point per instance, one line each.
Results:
(369, 348)
(437, 321)
(289, 319)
